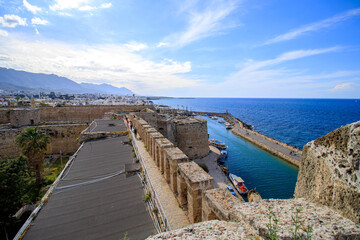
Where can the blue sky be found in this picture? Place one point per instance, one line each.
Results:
(190, 48)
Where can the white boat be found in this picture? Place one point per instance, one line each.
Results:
(214, 117)
(221, 121)
(228, 125)
(239, 184)
(218, 144)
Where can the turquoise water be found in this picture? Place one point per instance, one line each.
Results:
(271, 176)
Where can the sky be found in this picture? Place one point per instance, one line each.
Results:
(190, 48)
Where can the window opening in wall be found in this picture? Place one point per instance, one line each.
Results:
(31, 121)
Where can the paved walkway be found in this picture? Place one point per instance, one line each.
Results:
(175, 215)
(220, 179)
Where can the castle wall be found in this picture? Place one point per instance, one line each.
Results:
(191, 136)
(329, 173)
(84, 113)
(24, 117)
(4, 116)
(63, 138)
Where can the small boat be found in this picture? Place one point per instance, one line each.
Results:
(223, 154)
(221, 121)
(218, 144)
(215, 117)
(228, 125)
(239, 184)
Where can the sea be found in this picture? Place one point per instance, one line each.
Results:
(292, 121)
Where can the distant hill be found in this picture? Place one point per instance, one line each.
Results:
(11, 79)
(107, 88)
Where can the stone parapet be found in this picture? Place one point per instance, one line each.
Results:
(153, 136)
(197, 181)
(329, 173)
(146, 140)
(218, 204)
(160, 145)
(320, 221)
(206, 230)
(173, 157)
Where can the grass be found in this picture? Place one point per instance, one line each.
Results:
(273, 227)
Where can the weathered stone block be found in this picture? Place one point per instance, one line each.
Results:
(174, 156)
(329, 172)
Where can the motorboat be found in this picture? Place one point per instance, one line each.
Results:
(218, 144)
(223, 154)
(228, 125)
(238, 183)
(221, 121)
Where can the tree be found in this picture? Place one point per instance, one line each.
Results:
(13, 185)
(33, 144)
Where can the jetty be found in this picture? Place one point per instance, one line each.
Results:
(273, 146)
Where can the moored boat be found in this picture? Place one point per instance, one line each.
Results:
(239, 184)
(228, 125)
(218, 144)
(223, 154)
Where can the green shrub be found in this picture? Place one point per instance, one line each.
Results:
(204, 166)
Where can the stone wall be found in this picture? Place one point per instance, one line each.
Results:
(24, 117)
(196, 181)
(251, 221)
(63, 138)
(187, 180)
(329, 172)
(84, 113)
(191, 136)
(4, 116)
(218, 203)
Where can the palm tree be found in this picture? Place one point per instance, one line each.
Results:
(33, 144)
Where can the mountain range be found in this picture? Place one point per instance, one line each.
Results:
(14, 80)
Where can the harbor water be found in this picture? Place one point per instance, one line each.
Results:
(271, 176)
(293, 121)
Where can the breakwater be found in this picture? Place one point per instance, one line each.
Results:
(275, 147)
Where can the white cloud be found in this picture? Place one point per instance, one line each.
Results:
(288, 56)
(31, 8)
(161, 44)
(106, 5)
(86, 8)
(314, 26)
(38, 21)
(113, 64)
(205, 23)
(37, 31)
(4, 33)
(341, 87)
(134, 46)
(269, 78)
(12, 21)
(67, 4)
(81, 5)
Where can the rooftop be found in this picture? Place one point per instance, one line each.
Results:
(95, 199)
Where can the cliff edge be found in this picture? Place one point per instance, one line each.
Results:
(329, 171)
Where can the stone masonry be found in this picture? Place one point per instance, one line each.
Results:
(329, 173)
(197, 181)
(24, 117)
